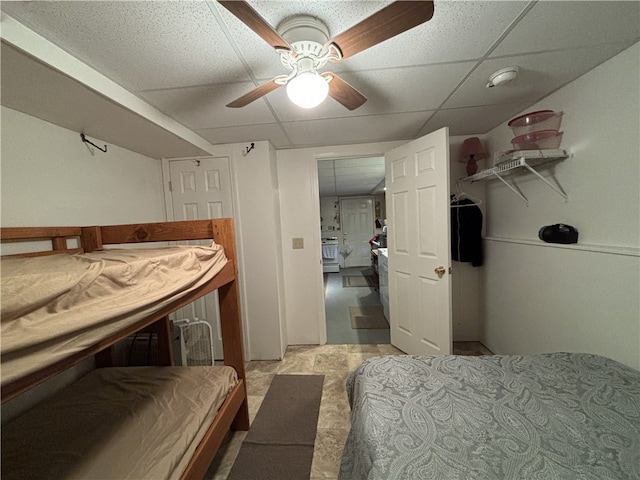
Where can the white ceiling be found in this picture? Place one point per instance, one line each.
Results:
(189, 58)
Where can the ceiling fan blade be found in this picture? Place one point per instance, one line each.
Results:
(344, 93)
(388, 22)
(254, 94)
(252, 19)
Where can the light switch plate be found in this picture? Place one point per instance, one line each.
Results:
(298, 243)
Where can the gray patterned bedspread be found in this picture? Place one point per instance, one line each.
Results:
(541, 417)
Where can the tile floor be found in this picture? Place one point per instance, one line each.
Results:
(335, 362)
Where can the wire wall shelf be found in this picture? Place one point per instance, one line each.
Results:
(521, 159)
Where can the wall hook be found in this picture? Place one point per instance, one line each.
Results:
(91, 143)
(250, 148)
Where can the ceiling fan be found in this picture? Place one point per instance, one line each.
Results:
(308, 48)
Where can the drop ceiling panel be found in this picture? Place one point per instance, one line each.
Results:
(348, 163)
(359, 173)
(140, 45)
(458, 31)
(565, 25)
(366, 184)
(472, 120)
(204, 106)
(538, 75)
(247, 133)
(342, 131)
(350, 176)
(355, 190)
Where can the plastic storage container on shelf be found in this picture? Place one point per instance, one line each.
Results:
(538, 140)
(535, 122)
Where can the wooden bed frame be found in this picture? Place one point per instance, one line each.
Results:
(234, 412)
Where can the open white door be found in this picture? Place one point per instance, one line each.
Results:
(418, 219)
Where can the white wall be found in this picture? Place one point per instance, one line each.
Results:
(49, 177)
(255, 187)
(300, 207)
(541, 297)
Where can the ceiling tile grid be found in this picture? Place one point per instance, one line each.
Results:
(190, 58)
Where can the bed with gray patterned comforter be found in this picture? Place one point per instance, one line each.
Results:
(545, 417)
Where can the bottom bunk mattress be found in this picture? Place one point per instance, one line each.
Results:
(550, 416)
(117, 423)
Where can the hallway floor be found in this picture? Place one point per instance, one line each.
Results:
(337, 301)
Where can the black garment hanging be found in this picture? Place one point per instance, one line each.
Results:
(466, 232)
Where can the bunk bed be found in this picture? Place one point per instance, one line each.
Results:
(509, 417)
(76, 300)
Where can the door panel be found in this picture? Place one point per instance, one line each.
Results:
(402, 290)
(427, 241)
(357, 230)
(201, 189)
(417, 179)
(400, 232)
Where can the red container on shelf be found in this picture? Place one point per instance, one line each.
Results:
(536, 122)
(537, 140)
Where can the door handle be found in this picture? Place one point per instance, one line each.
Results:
(440, 271)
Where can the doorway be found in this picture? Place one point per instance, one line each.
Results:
(352, 212)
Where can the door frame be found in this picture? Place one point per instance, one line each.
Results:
(315, 184)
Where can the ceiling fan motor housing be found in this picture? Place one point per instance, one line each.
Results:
(303, 27)
(308, 36)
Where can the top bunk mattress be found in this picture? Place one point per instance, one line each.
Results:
(58, 305)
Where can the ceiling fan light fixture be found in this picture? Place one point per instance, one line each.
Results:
(305, 47)
(307, 89)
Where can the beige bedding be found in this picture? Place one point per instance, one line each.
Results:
(117, 423)
(55, 306)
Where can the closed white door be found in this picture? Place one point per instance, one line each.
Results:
(201, 189)
(418, 219)
(357, 229)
